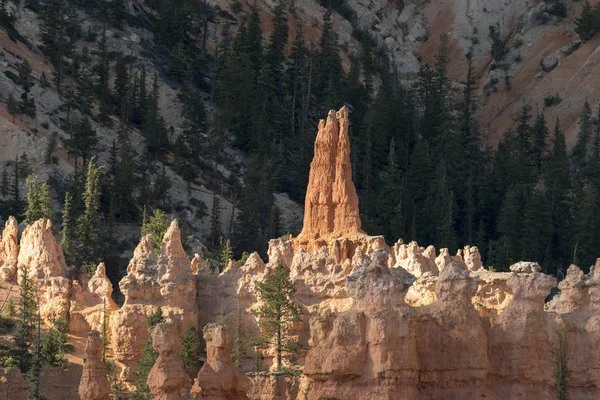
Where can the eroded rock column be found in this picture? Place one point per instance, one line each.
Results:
(94, 383)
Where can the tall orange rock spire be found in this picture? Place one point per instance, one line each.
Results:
(331, 205)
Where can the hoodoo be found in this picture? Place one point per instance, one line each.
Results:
(331, 205)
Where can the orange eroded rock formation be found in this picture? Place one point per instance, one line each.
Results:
(91, 303)
(94, 383)
(219, 378)
(9, 250)
(331, 205)
(42, 257)
(167, 379)
(164, 280)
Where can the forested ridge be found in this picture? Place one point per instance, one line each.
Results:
(423, 167)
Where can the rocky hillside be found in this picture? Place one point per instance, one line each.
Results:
(212, 155)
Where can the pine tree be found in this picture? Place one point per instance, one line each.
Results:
(225, 255)
(498, 45)
(540, 146)
(579, 152)
(88, 224)
(54, 345)
(277, 313)
(390, 198)
(117, 12)
(36, 370)
(156, 226)
(509, 227)
(24, 332)
(38, 200)
(27, 105)
(82, 142)
(16, 203)
(67, 233)
(58, 32)
(330, 72)
(4, 185)
(149, 356)
(587, 235)
(189, 353)
(588, 23)
(561, 368)
(536, 228)
(215, 219)
(12, 106)
(103, 76)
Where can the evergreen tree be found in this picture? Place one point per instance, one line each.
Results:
(67, 231)
(588, 23)
(54, 345)
(561, 368)
(587, 235)
(4, 185)
(559, 192)
(540, 138)
(88, 224)
(27, 105)
(278, 313)
(149, 356)
(82, 142)
(189, 353)
(38, 200)
(215, 219)
(498, 45)
(117, 12)
(330, 72)
(24, 332)
(579, 152)
(509, 228)
(225, 255)
(12, 106)
(195, 125)
(536, 228)
(16, 205)
(59, 30)
(103, 76)
(156, 226)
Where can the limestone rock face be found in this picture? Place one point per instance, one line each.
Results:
(91, 305)
(164, 280)
(12, 381)
(331, 205)
(9, 250)
(219, 378)
(94, 383)
(42, 256)
(167, 379)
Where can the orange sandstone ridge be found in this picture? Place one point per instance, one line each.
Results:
(331, 205)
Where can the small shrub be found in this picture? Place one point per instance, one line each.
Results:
(518, 58)
(552, 100)
(518, 43)
(236, 7)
